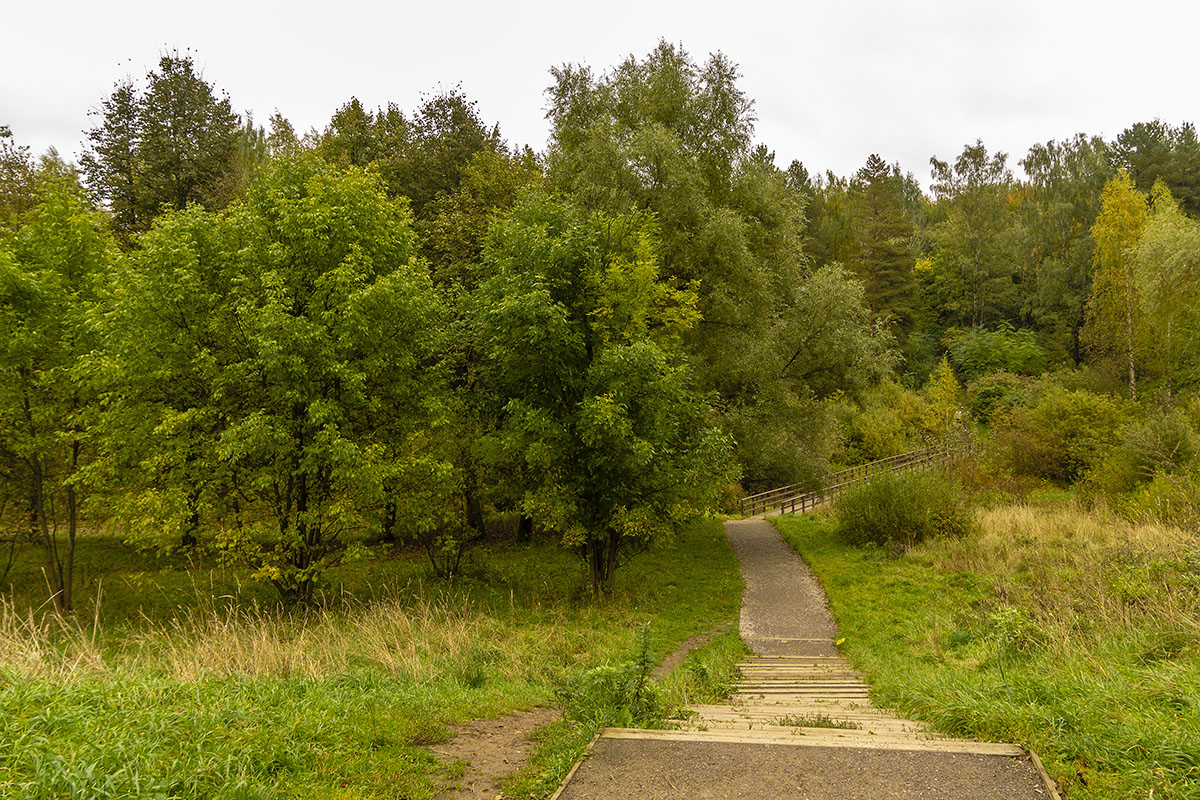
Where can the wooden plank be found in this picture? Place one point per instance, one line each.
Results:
(821, 737)
(587, 751)
(1051, 786)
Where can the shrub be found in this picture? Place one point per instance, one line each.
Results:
(1161, 444)
(888, 420)
(1063, 436)
(978, 351)
(996, 394)
(902, 509)
(615, 694)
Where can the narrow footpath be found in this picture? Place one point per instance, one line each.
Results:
(801, 724)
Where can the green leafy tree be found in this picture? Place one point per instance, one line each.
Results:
(1059, 204)
(1166, 265)
(671, 137)
(974, 257)
(330, 395)
(48, 270)
(1154, 151)
(599, 416)
(1116, 323)
(17, 179)
(168, 332)
(272, 372)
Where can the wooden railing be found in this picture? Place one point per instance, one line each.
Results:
(796, 498)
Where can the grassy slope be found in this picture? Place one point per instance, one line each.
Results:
(204, 700)
(1076, 636)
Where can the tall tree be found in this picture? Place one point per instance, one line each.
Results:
(1060, 202)
(17, 179)
(883, 259)
(1115, 322)
(48, 270)
(330, 394)
(167, 329)
(172, 144)
(974, 255)
(1154, 151)
(1167, 270)
(600, 415)
(671, 137)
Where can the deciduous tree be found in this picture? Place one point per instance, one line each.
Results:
(600, 416)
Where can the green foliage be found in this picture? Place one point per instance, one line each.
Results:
(995, 395)
(943, 411)
(883, 236)
(300, 336)
(172, 144)
(972, 280)
(1060, 202)
(49, 268)
(1062, 436)
(1032, 629)
(1166, 269)
(1115, 330)
(668, 136)
(900, 509)
(17, 179)
(888, 420)
(614, 694)
(581, 340)
(979, 352)
(1155, 151)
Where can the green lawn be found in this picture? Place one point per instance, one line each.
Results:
(179, 696)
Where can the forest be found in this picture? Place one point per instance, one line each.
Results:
(285, 355)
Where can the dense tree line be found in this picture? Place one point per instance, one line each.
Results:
(278, 345)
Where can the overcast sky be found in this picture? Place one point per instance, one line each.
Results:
(832, 82)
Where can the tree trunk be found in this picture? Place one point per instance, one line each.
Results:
(388, 533)
(473, 503)
(601, 553)
(52, 568)
(524, 529)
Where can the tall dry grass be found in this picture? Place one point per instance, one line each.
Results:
(415, 636)
(1080, 570)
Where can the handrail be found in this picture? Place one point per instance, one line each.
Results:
(793, 499)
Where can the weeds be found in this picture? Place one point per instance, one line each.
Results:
(1075, 633)
(820, 720)
(230, 699)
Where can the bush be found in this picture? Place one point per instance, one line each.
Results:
(1063, 436)
(995, 395)
(902, 509)
(978, 351)
(615, 694)
(1163, 443)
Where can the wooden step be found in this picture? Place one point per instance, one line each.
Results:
(820, 737)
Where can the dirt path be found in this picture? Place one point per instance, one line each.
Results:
(491, 749)
(801, 725)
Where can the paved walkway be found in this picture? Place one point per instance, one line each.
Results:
(801, 724)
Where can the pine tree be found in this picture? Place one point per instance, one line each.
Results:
(882, 231)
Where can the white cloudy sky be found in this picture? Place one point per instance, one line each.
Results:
(832, 82)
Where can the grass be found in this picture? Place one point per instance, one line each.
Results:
(175, 694)
(1072, 633)
(820, 720)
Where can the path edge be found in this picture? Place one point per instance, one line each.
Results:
(1051, 786)
(587, 751)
